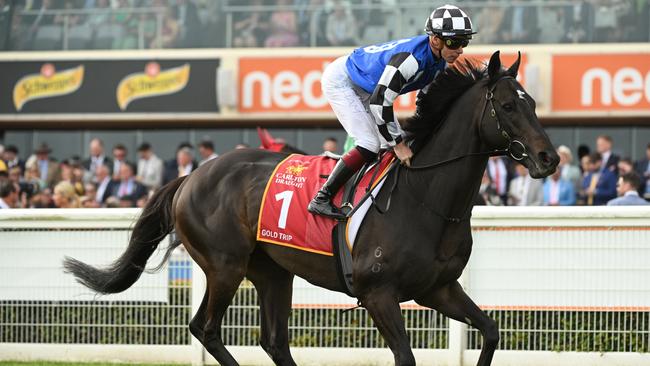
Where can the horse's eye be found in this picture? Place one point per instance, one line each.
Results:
(507, 107)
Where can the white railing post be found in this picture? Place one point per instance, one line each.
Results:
(198, 289)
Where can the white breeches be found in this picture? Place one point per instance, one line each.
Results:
(350, 109)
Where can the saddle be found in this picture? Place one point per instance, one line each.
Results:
(284, 219)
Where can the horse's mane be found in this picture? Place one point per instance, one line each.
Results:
(432, 109)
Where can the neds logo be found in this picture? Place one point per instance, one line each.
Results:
(601, 82)
(627, 86)
(285, 89)
(282, 84)
(289, 84)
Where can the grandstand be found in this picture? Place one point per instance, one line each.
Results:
(151, 89)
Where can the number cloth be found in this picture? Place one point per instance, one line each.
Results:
(284, 219)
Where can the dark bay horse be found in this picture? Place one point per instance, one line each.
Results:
(414, 251)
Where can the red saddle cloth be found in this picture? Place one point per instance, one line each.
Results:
(284, 219)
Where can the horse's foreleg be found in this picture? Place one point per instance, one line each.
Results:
(453, 302)
(385, 311)
(274, 288)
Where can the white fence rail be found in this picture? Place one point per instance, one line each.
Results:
(567, 286)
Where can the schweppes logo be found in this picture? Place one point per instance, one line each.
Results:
(48, 83)
(152, 82)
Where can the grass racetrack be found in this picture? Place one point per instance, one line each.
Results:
(45, 363)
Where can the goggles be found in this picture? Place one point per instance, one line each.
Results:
(456, 43)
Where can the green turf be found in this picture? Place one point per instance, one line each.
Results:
(45, 363)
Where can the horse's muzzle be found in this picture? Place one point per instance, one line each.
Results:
(543, 164)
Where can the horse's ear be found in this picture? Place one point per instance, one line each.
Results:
(494, 66)
(512, 71)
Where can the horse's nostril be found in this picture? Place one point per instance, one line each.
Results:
(545, 158)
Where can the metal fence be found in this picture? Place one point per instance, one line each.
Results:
(566, 286)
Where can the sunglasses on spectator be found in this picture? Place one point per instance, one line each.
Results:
(455, 43)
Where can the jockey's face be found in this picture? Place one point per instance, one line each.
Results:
(450, 55)
(446, 53)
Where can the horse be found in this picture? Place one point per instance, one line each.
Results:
(416, 250)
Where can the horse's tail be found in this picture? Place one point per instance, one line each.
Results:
(155, 222)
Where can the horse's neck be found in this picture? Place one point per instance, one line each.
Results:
(458, 136)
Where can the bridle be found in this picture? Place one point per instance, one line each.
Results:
(512, 144)
(500, 137)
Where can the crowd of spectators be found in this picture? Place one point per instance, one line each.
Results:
(101, 24)
(99, 180)
(110, 24)
(599, 179)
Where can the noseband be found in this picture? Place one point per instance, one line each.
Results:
(515, 148)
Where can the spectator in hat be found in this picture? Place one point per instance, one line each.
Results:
(10, 156)
(48, 168)
(627, 187)
(206, 150)
(150, 167)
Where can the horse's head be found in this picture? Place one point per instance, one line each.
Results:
(508, 121)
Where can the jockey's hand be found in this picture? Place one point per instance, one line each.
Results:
(404, 153)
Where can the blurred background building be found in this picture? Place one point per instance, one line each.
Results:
(168, 72)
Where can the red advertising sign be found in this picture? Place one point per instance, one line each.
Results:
(597, 82)
(292, 84)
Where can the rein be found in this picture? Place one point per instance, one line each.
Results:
(500, 133)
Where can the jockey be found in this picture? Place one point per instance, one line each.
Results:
(361, 88)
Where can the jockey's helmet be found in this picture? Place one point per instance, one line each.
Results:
(449, 21)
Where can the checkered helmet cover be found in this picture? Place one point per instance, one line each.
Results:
(449, 21)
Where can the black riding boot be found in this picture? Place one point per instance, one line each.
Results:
(322, 203)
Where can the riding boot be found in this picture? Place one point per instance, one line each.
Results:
(349, 164)
(322, 203)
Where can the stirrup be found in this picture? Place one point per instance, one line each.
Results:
(326, 209)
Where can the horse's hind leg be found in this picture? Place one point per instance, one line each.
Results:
(387, 315)
(224, 271)
(274, 288)
(222, 284)
(198, 321)
(453, 302)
